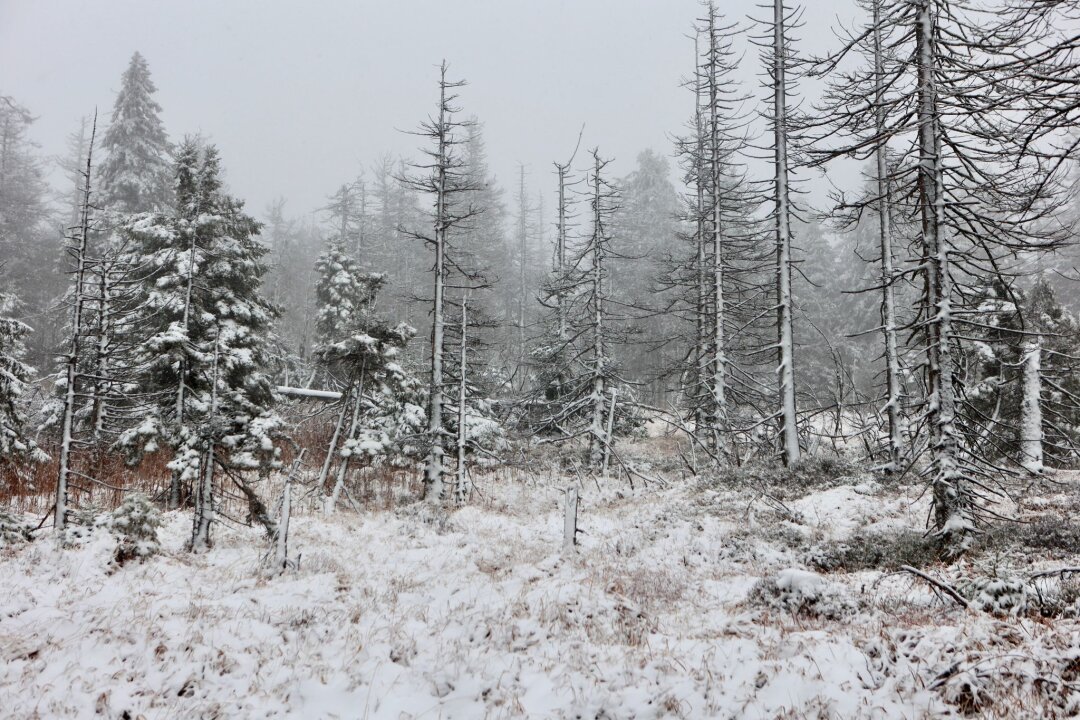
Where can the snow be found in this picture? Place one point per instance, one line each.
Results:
(482, 613)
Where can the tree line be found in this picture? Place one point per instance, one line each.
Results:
(924, 322)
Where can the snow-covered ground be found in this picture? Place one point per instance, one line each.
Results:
(395, 614)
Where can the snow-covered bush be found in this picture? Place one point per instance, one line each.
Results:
(13, 531)
(801, 592)
(1055, 534)
(875, 550)
(135, 524)
(83, 524)
(813, 473)
(1000, 595)
(1060, 597)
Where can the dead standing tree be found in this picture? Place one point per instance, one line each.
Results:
(445, 178)
(974, 189)
(81, 296)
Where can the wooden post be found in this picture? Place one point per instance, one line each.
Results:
(570, 517)
(609, 431)
(281, 555)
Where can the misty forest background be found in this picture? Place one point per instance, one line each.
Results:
(430, 321)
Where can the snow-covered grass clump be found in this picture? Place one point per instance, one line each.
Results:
(14, 530)
(801, 593)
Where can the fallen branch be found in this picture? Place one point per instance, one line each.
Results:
(940, 585)
(1062, 572)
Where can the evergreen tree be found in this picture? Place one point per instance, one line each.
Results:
(14, 376)
(645, 223)
(135, 175)
(380, 409)
(29, 248)
(289, 285)
(1025, 352)
(203, 364)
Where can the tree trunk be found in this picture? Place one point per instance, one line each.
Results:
(888, 274)
(952, 504)
(459, 477)
(67, 424)
(433, 470)
(599, 353)
(204, 494)
(1031, 444)
(785, 372)
(343, 466)
(718, 376)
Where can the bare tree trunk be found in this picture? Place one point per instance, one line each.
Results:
(718, 375)
(703, 358)
(599, 351)
(789, 433)
(462, 434)
(433, 471)
(281, 541)
(523, 261)
(888, 274)
(952, 503)
(330, 503)
(67, 424)
(1031, 444)
(328, 461)
(609, 432)
(204, 494)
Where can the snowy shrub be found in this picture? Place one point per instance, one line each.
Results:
(429, 514)
(1058, 596)
(1056, 534)
(135, 524)
(814, 473)
(875, 550)
(13, 531)
(801, 592)
(1006, 595)
(83, 524)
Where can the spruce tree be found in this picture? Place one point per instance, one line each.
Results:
(360, 353)
(14, 377)
(135, 175)
(203, 364)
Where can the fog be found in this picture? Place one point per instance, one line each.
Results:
(301, 96)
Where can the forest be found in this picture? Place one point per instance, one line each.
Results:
(716, 437)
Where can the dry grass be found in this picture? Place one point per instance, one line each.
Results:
(30, 488)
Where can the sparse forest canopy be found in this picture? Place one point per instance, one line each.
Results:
(851, 270)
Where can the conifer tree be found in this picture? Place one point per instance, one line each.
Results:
(14, 377)
(203, 367)
(449, 180)
(135, 173)
(359, 353)
(27, 243)
(971, 177)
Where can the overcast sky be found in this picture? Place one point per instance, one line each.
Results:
(300, 95)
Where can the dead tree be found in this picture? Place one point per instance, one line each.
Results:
(779, 61)
(80, 297)
(970, 190)
(445, 178)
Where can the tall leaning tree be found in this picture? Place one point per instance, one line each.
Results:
(81, 290)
